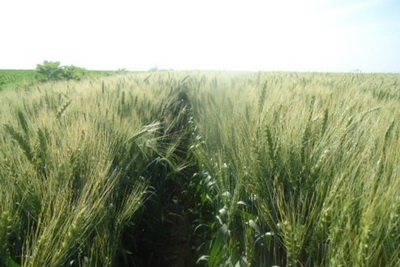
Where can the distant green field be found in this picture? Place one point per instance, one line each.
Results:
(24, 78)
(15, 78)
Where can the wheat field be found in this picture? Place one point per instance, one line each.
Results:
(202, 169)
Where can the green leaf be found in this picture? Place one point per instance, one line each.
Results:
(11, 263)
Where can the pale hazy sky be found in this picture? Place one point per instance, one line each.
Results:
(288, 35)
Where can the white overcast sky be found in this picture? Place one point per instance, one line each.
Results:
(288, 35)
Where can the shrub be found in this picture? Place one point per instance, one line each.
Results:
(73, 73)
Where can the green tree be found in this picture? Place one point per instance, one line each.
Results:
(53, 71)
(49, 71)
